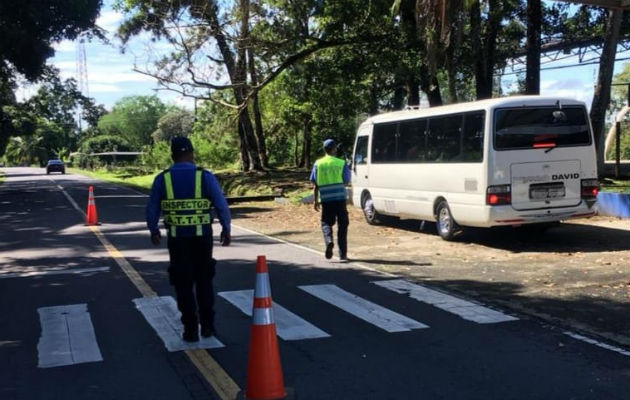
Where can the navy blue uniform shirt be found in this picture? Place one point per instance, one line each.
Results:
(183, 178)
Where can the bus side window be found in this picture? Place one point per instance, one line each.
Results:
(384, 143)
(411, 140)
(472, 143)
(443, 140)
(360, 152)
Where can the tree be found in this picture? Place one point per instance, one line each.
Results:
(27, 31)
(619, 93)
(214, 44)
(57, 101)
(176, 122)
(23, 150)
(534, 26)
(601, 97)
(133, 118)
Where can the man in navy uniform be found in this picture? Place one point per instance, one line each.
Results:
(184, 194)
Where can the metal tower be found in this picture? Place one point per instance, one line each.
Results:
(81, 72)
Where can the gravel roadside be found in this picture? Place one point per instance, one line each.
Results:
(576, 275)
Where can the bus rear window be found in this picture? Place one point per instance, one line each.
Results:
(540, 127)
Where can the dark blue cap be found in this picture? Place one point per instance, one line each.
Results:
(329, 144)
(181, 144)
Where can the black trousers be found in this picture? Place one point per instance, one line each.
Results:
(191, 272)
(336, 211)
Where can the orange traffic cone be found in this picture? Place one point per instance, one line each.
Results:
(91, 217)
(264, 372)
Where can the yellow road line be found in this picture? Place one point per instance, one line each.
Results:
(216, 376)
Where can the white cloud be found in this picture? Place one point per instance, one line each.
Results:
(110, 20)
(104, 88)
(65, 46)
(568, 88)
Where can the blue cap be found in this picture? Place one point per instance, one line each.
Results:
(181, 144)
(329, 144)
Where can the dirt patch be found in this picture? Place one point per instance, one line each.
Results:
(576, 274)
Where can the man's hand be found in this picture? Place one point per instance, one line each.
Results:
(156, 239)
(226, 239)
(316, 205)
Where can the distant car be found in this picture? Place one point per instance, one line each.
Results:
(55, 166)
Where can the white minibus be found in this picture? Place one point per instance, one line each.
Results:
(501, 162)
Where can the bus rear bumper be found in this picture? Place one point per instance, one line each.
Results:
(508, 216)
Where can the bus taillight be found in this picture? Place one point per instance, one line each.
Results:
(590, 188)
(499, 195)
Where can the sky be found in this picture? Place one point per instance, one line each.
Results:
(111, 76)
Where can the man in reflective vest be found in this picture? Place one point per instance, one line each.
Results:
(330, 175)
(184, 194)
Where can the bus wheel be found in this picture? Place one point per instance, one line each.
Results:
(446, 225)
(371, 216)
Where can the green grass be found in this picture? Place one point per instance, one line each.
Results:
(120, 176)
(290, 183)
(615, 186)
(1, 177)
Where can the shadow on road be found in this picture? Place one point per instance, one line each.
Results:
(566, 237)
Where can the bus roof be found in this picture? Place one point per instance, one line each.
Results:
(513, 101)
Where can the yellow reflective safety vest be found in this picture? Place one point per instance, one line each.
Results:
(329, 178)
(185, 212)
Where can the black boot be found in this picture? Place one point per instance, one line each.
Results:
(191, 334)
(208, 331)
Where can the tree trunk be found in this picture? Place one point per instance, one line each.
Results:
(373, 103)
(451, 73)
(475, 35)
(237, 71)
(601, 97)
(430, 86)
(244, 156)
(305, 157)
(260, 137)
(307, 144)
(534, 22)
(241, 95)
(484, 47)
(296, 156)
(248, 134)
(413, 91)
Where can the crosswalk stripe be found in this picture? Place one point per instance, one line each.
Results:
(289, 326)
(162, 314)
(67, 336)
(465, 309)
(370, 312)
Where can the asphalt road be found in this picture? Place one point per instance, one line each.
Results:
(360, 334)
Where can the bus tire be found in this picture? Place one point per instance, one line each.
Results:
(372, 217)
(444, 222)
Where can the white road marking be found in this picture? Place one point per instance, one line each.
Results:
(51, 271)
(597, 343)
(67, 336)
(289, 326)
(465, 309)
(162, 314)
(370, 312)
(71, 200)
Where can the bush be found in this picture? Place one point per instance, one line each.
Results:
(215, 154)
(156, 157)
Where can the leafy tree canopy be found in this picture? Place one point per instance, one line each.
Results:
(28, 28)
(176, 122)
(134, 118)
